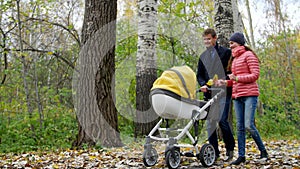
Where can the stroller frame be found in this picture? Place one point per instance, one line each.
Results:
(206, 154)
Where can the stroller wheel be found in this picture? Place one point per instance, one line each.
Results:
(207, 155)
(173, 160)
(150, 157)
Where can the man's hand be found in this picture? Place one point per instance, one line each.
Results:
(204, 88)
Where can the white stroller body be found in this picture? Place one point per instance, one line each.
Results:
(170, 105)
(179, 110)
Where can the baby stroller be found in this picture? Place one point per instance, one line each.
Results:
(173, 97)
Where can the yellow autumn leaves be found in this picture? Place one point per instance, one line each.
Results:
(213, 80)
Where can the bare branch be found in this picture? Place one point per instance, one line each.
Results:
(73, 32)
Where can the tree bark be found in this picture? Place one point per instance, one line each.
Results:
(224, 21)
(224, 24)
(94, 80)
(238, 25)
(146, 66)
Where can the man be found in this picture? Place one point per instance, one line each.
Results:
(212, 62)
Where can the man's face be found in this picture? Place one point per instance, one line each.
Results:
(209, 40)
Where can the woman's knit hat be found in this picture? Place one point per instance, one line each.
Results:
(238, 38)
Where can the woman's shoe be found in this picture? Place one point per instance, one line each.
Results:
(239, 161)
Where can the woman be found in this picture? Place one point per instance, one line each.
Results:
(245, 92)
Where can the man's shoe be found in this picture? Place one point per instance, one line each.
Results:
(218, 161)
(217, 158)
(239, 161)
(229, 155)
(264, 156)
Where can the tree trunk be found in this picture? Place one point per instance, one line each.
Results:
(26, 89)
(238, 25)
(224, 24)
(94, 82)
(250, 24)
(224, 21)
(34, 43)
(146, 66)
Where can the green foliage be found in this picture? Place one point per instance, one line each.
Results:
(199, 13)
(57, 132)
(279, 125)
(279, 86)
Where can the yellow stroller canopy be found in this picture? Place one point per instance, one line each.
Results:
(180, 80)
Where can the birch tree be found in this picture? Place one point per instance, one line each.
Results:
(224, 24)
(224, 21)
(145, 65)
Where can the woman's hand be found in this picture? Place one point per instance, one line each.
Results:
(232, 77)
(221, 82)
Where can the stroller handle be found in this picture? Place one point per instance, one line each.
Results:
(211, 89)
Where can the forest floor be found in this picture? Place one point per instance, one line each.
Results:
(283, 154)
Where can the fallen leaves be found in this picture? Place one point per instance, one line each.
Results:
(283, 154)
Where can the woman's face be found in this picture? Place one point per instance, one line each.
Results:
(232, 44)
